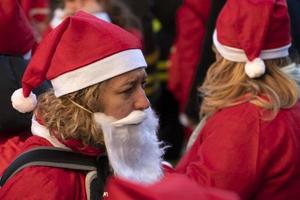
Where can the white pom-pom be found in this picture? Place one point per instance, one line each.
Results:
(21, 103)
(255, 68)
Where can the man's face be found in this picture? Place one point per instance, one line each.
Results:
(124, 93)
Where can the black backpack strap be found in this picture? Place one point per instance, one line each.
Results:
(97, 185)
(52, 157)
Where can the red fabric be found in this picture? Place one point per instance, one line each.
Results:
(10, 147)
(77, 146)
(44, 182)
(171, 187)
(138, 34)
(237, 150)
(53, 57)
(191, 19)
(261, 25)
(16, 35)
(167, 167)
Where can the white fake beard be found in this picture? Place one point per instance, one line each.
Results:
(132, 145)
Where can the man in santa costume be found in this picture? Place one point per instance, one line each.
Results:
(249, 137)
(97, 106)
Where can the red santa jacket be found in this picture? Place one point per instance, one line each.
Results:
(237, 150)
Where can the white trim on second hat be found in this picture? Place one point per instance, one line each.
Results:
(98, 71)
(238, 55)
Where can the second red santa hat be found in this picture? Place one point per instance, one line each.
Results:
(252, 30)
(82, 51)
(16, 35)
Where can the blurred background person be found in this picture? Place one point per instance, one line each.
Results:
(191, 26)
(294, 6)
(190, 114)
(16, 43)
(159, 29)
(38, 14)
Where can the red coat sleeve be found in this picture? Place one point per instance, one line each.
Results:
(171, 187)
(191, 19)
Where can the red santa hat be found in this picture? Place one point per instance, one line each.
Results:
(252, 30)
(82, 51)
(16, 35)
(38, 10)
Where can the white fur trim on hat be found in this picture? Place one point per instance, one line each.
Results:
(21, 103)
(256, 67)
(238, 55)
(98, 71)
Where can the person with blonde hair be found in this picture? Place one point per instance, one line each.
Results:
(248, 139)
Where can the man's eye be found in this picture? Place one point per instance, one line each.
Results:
(128, 90)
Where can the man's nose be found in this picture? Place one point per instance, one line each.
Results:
(141, 101)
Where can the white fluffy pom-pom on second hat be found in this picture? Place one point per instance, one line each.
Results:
(255, 68)
(21, 103)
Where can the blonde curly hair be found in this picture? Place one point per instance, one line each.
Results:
(68, 120)
(226, 84)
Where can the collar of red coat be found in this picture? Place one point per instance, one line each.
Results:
(75, 145)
